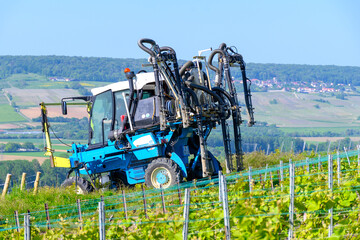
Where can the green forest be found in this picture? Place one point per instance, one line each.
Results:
(111, 69)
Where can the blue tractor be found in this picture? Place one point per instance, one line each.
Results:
(153, 128)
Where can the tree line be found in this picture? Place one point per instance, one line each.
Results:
(111, 69)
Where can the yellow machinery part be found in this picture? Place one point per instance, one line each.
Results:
(61, 162)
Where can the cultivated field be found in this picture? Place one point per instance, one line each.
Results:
(8, 114)
(32, 97)
(301, 110)
(55, 111)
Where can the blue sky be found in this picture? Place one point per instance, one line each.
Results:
(302, 32)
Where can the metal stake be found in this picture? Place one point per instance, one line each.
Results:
(186, 214)
(27, 227)
(226, 209)
(124, 204)
(78, 203)
(101, 221)
(292, 197)
(330, 183)
(281, 175)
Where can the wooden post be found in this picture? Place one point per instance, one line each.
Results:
(47, 216)
(23, 180)
(36, 183)
(144, 201)
(6, 185)
(162, 199)
(17, 222)
(179, 193)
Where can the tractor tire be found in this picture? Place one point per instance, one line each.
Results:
(83, 186)
(162, 171)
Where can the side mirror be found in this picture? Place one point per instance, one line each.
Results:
(64, 107)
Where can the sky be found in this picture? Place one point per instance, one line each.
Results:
(321, 32)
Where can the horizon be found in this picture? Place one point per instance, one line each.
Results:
(305, 64)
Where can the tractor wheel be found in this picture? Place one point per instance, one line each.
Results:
(83, 186)
(162, 171)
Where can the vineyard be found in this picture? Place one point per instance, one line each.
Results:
(315, 198)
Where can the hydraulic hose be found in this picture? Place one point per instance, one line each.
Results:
(212, 67)
(146, 49)
(185, 66)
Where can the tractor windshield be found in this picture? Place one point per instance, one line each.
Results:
(101, 118)
(120, 110)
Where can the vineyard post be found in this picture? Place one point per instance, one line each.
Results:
(304, 146)
(17, 222)
(330, 185)
(347, 155)
(36, 183)
(23, 180)
(307, 165)
(47, 215)
(319, 162)
(272, 182)
(179, 192)
(292, 196)
(268, 148)
(328, 151)
(282, 146)
(220, 186)
(162, 199)
(281, 174)
(101, 220)
(186, 213)
(266, 170)
(358, 148)
(338, 163)
(250, 180)
(292, 145)
(124, 204)
(144, 200)
(78, 203)
(27, 230)
(316, 149)
(226, 208)
(6, 185)
(350, 144)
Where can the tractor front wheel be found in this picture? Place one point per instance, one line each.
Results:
(162, 172)
(83, 186)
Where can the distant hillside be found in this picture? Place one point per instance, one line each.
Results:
(111, 69)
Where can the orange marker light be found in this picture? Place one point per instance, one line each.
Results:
(127, 70)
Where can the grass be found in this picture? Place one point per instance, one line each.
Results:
(8, 114)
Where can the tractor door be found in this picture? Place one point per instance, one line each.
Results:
(101, 119)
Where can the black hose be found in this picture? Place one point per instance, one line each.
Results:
(146, 49)
(211, 56)
(222, 46)
(205, 89)
(185, 66)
